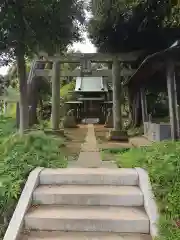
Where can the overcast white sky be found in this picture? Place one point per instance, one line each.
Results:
(85, 47)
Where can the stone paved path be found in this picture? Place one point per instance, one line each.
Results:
(90, 156)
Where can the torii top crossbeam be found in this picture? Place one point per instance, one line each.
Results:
(93, 57)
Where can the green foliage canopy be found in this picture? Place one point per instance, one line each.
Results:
(28, 26)
(39, 25)
(125, 25)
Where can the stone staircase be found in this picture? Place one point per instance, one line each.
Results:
(87, 204)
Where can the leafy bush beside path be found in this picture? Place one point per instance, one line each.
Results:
(162, 161)
(18, 157)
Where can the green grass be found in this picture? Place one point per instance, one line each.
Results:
(115, 150)
(162, 161)
(7, 127)
(109, 154)
(11, 110)
(18, 157)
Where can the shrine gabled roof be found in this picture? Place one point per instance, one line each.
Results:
(153, 63)
(74, 102)
(91, 99)
(90, 84)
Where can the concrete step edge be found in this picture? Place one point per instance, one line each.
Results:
(109, 219)
(88, 195)
(90, 176)
(56, 235)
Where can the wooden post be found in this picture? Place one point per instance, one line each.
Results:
(117, 133)
(144, 105)
(56, 95)
(17, 115)
(117, 91)
(172, 95)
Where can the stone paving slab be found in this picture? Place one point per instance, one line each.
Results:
(89, 148)
(90, 156)
(89, 159)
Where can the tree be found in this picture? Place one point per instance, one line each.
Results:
(27, 26)
(129, 25)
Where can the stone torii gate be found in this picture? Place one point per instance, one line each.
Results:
(85, 61)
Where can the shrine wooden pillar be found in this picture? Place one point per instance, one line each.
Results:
(117, 119)
(55, 96)
(172, 96)
(144, 105)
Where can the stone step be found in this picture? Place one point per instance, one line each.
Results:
(89, 176)
(56, 235)
(88, 195)
(76, 218)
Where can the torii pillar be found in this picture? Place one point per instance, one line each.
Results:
(117, 133)
(55, 121)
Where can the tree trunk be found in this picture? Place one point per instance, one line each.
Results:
(17, 115)
(23, 104)
(172, 95)
(41, 107)
(135, 115)
(33, 101)
(33, 92)
(136, 111)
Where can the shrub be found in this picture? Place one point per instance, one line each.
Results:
(66, 89)
(162, 161)
(18, 157)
